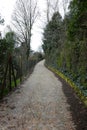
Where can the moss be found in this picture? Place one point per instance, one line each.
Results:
(73, 85)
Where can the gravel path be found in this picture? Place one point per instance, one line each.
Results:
(38, 104)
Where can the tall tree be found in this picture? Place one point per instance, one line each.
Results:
(52, 37)
(24, 17)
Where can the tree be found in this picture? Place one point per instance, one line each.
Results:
(7, 45)
(65, 4)
(52, 38)
(65, 43)
(11, 41)
(24, 17)
(6, 49)
(52, 7)
(78, 22)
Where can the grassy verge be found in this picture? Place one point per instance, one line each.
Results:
(73, 85)
(6, 90)
(17, 82)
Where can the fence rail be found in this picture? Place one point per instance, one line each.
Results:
(12, 76)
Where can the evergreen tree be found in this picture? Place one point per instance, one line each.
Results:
(52, 37)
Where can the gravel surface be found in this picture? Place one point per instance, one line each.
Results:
(43, 102)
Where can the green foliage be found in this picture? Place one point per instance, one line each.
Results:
(6, 45)
(14, 66)
(3, 56)
(10, 39)
(52, 38)
(78, 21)
(3, 49)
(65, 43)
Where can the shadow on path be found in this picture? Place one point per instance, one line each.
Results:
(77, 108)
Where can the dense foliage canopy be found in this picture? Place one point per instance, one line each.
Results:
(65, 43)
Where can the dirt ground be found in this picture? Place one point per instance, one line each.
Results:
(43, 102)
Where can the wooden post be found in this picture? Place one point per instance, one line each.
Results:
(10, 61)
(20, 69)
(10, 69)
(4, 81)
(13, 75)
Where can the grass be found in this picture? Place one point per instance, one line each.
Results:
(6, 90)
(17, 82)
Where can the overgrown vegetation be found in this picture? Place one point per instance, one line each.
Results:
(65, 43)
(16, 57)
(14, 66)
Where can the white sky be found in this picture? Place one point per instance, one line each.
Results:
(6, 9)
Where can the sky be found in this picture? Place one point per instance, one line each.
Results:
(6, 10)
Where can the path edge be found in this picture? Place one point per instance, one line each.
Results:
(73, 85)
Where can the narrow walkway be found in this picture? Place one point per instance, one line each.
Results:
(38, 104)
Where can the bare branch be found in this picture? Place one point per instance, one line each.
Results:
(24, 17)
(52, 6)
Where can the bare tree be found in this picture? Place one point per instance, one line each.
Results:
(48, 9)
(52, 6)
(24, 17)
(65, 4)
